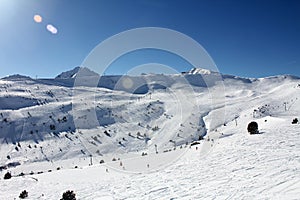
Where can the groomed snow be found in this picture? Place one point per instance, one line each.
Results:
(228, 164)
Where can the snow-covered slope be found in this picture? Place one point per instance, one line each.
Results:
(46, 124)
(71, 74)
(199, 71)
(68, 74)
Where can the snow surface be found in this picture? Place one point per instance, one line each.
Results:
(49, 124)
(199, 71)
(73, 73)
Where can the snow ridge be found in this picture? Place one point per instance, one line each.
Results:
(71, 74)
(47, 129)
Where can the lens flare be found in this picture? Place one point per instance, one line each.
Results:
(52, 29)
(127, 83)
(37, 18)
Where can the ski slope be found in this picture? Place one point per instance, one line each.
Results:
(48, 124)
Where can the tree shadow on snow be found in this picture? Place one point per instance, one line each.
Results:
(226, 135)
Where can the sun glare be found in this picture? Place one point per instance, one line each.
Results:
(52, 29)
(37, 18)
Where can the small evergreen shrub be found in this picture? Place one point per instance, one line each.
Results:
(68, 195)
(295, 121)
(21, 174)
(155, 128)
(23, 194)
(7, 175)
(252, 128)
(52, 127)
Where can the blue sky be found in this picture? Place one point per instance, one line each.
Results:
(254, 38)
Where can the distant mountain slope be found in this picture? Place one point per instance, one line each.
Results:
(199, 71)
(71, 74)
(17, 77)
(127, 114)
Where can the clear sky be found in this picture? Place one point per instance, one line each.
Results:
(250, 38)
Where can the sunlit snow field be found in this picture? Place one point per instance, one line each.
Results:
(228, 164)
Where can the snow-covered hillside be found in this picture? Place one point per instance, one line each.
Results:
(142, 128)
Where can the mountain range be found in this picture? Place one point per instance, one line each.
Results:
(195, 122)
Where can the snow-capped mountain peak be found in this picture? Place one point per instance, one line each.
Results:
(71, 74)
(68, 74)
(200, 71)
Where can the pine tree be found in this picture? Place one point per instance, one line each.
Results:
(23, 194)
(7, 175)
(252, 128)
(68, 195)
